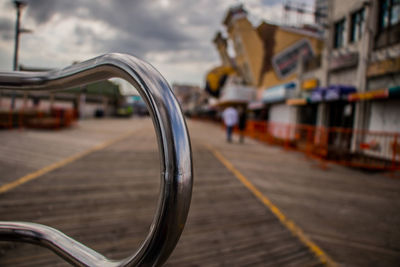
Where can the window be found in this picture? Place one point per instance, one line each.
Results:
(389, 13)
(388, 23)
(395, 12)
(357, 25)
(339, 34)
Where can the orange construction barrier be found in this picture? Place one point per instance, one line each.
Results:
(53, 119)
(349, 147)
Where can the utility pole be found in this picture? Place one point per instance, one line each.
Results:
(18, 5)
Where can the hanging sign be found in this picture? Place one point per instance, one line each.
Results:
(285, 63)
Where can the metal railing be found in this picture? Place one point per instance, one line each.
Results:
(175, 155)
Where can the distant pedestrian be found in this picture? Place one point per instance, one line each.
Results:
(230, 117)
(242, 122)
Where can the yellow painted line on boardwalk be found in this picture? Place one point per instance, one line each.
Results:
(323, 257)
(31, 176)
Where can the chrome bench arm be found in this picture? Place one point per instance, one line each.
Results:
(175, 155)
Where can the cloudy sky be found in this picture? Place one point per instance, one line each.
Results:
(173, 35)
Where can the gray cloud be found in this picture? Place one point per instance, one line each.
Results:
(272, 2)
(168, 31)
(148, 26)
(6, 29)
(43, 10)
(86, 35)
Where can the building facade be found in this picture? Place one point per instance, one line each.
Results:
(266, 58)
(247, 45)
(361, 62)
(342, 84)
(383, 70)
(348, 78)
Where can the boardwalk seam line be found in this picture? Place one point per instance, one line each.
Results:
(289, 224)
(36, 174)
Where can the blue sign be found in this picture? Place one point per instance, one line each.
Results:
(331, 93)
(277, 93)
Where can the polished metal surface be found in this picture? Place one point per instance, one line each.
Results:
(175, 155)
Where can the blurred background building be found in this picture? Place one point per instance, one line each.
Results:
(335, 78)
(343, 72)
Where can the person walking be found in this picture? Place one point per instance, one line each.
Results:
(230, 117)
(242, 122)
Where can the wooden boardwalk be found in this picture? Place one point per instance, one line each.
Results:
(352, 215)
(24, 151)
(106, 200)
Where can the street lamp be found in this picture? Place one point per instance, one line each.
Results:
(18, 5)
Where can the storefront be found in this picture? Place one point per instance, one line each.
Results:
(340, 112)
(383, 108)
(234, 93)
(275, 97)
(382, 95)
(306, 110)
(382, 122)
(257, 110)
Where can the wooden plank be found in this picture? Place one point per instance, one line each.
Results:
(107, 200)
(340, 207)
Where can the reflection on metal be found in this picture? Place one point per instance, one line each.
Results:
(175, 155)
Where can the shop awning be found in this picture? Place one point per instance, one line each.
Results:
(278, 93)
(375, 94)
(297, 101)
(391, 92)
(317, 95)
(236, 94)
(331, 93)
(338, 92)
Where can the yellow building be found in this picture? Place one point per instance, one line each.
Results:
(247, 44)
(287, 45)
(259, 49)
(221, 44)
(268, 58)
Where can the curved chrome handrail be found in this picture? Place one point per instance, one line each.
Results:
(175, 154)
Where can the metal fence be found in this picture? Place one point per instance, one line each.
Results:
(350, 147)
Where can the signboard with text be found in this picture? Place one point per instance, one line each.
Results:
(343, 61)
(285, 63)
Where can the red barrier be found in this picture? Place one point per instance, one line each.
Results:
(350, 147)
(53, 119)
